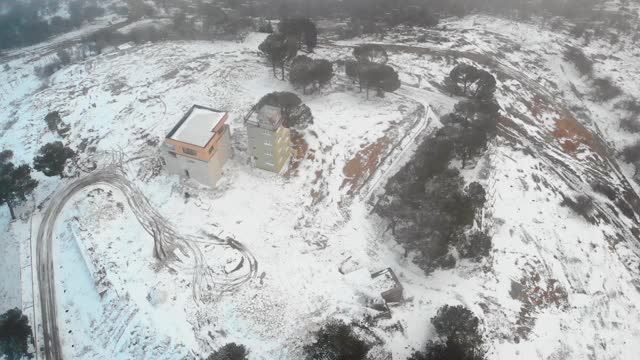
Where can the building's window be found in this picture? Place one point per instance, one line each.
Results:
(269, 153)
(269, 164)
(210, 150)
(189, 151)
(266, 132)
(268, 142)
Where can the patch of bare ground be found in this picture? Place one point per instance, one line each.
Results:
(572, 134)
(568, 131)
(364, 163)
(300, 152)
(536, 294)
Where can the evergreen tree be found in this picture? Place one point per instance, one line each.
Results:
(371, 53)
(467, 80)
(303, 30)
(231, 351)
(15, 333)
(15, 184)
(336, 341)
(382, 78)
(295, 113)
(279, 49)
(306, 71)
(52, 159)
(459, 323)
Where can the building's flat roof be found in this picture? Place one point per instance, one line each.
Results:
(267, 117)
(197, 127)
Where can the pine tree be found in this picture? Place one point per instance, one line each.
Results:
(336, 341)
(231, 351)
(14, 335)
(52, 159)
(15, 184)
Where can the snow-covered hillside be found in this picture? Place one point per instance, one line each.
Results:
(556, 286)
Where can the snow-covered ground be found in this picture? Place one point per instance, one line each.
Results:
(554, 287)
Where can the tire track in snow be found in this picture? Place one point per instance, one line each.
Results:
(169, 247)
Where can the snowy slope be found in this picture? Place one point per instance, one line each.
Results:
(554, 287)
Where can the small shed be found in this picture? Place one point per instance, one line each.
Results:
(387, 284)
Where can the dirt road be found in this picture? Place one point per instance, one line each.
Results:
(168, 247)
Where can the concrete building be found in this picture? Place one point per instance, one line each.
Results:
(386, 282)
(269, 142)
(199, 145)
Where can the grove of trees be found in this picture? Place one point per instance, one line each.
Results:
(282, 47)
(279, 49)
(24, 22)
(429, 209)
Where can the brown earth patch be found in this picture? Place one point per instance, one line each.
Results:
(539, 106)
(569, 132)
(364, 163)
(300, 150)
(535, 294)
(572, 134)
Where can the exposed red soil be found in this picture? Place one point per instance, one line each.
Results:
(364, 163)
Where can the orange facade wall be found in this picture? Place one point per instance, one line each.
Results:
(201, 153)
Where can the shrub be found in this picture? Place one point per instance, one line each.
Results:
(579, 59)
(476, 245)
(265, 27)
(605, 90)
(631, 154)
(604, 189)
(582, 205)
(44, 72)
(53, 119)
(630, 124)
(336, 341)
(64, 56)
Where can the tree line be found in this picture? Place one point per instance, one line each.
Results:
(368, 68)
(429, 209)
(24, 23)
(458, 338)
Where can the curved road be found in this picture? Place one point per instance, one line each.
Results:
(168, 247)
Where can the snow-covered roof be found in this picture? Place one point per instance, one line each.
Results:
(197, 126)
(268, 117)
(384, 280)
